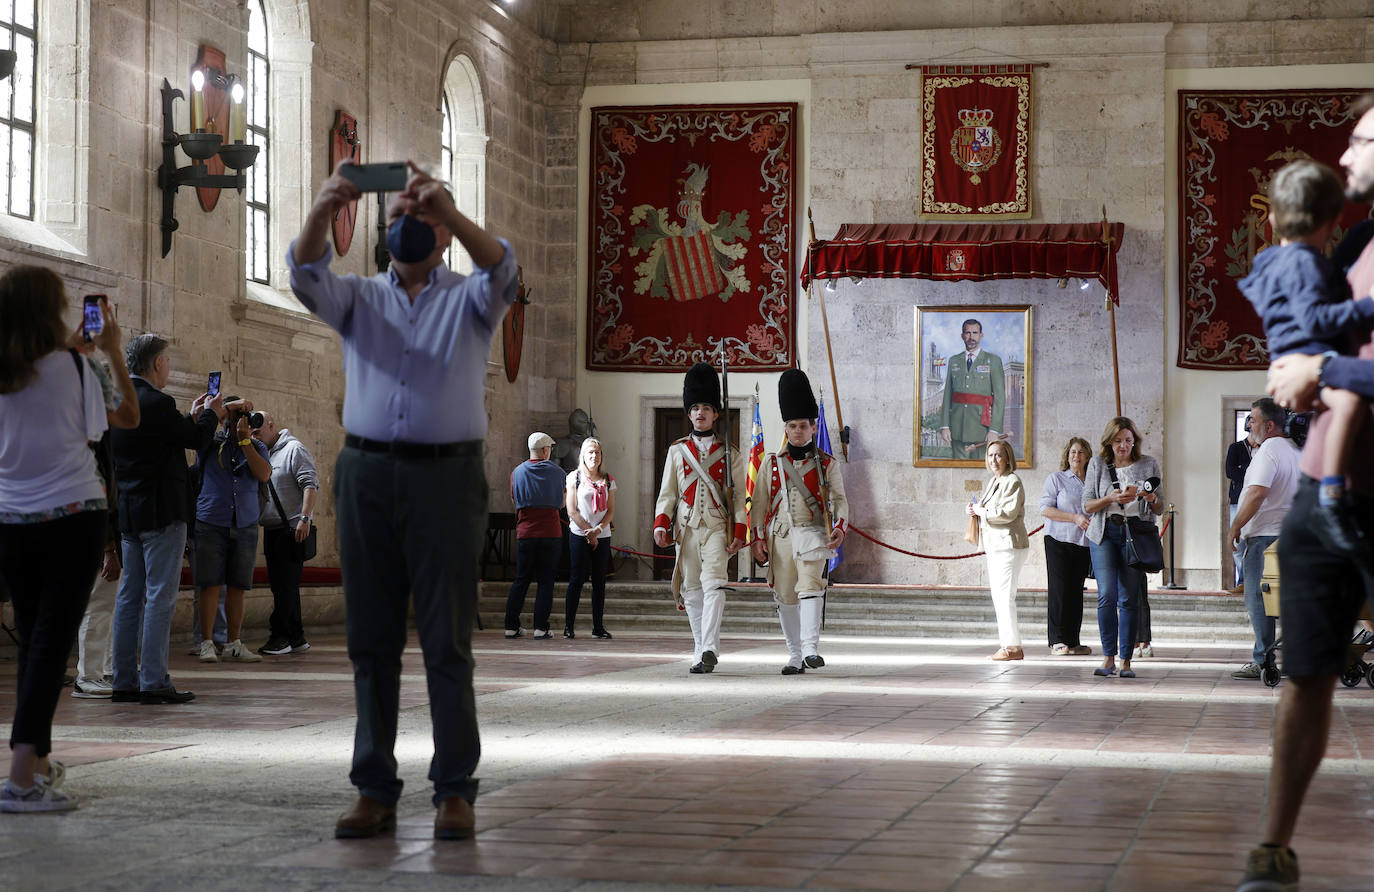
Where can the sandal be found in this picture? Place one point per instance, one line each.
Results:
(1060, 650)
(1081, 650)
(1008, 653)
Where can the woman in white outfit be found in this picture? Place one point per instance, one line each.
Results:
(1001, 509)
(590, 500)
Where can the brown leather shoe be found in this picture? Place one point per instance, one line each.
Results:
(454, 819)
(1009, 653)
(366, 819)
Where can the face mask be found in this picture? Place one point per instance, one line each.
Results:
(410, 240)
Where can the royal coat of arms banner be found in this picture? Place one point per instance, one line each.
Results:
(975, 142)
(692, 227)
(1231, 143)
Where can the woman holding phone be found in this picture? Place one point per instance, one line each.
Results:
(53, 404)
(1112, 493)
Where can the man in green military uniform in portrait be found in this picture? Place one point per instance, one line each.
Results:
(975, 397)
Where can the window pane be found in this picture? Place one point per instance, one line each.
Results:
(6, 10)
(257, 111)
(23, 12)
(5, 133)
(257, 28)
(21, 188)
(23, 79)
(260, 245)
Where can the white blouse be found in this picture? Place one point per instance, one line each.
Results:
(590, 493)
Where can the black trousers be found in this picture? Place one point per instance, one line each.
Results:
(1066, 568)
(49, 568)
(587, 562)
(284, 575)
(412, 528)
(536, 560)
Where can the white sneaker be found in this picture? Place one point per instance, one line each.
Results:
(235, 652)
(1144, 650)
(57, 773)
(92, 688)
(206, 652)
(39, 797)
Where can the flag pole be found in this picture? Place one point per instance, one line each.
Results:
(829, 353)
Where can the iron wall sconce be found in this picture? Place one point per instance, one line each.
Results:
(198, 146)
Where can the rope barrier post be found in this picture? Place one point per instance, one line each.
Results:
(1171, 585)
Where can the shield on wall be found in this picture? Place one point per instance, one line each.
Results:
(344, 144)
(692, 270)
(513, 329)
(210, 62)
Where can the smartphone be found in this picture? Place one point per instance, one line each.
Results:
(212, 386)
(92, 317)
(388, 176)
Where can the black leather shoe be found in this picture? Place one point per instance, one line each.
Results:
(166, 695)
(125, 697)
(701, 669)
(708, 658)
(789, 669)
(815, 661)
(569, 633)
(600, 633)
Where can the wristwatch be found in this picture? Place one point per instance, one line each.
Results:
(1321, 369)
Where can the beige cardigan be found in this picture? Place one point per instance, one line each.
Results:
(1004, 525)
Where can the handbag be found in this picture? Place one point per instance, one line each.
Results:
(302, 550)
(971, 531)
(1143, 549)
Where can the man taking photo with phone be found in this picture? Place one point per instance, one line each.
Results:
(410, 489)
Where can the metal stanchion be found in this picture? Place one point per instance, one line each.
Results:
(1172, 561)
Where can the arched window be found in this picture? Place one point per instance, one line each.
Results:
(463, 147)
(257, 85)
(19, 32)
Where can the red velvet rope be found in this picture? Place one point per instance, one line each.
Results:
(915, 554)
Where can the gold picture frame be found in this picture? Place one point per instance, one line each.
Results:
(997, 378)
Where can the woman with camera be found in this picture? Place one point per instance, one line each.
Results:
(1001, 510)
(1121, 485)
(53, 404)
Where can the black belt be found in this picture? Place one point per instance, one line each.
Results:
(1117, 519)
(415, 450)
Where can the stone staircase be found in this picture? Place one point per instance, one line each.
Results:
(902, 611)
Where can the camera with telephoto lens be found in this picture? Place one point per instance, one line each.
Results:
(255, 419)
(1150, 485)
(1295, 427)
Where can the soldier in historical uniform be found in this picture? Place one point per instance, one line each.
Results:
(692, 512)
(796, 528)
(975, 397)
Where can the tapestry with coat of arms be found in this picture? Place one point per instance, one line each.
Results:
(1231, 143)
(691, 235)
(975, 142)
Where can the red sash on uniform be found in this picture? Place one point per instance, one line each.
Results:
(977, 399)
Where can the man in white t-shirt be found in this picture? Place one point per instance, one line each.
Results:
(1271, 482)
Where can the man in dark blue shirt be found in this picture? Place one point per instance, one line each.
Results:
(536, 487)
(227, 510)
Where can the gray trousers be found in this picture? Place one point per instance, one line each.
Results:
(412, 528)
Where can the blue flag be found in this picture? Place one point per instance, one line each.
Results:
(823, 443)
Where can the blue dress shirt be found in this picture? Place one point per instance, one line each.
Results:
(415, 371)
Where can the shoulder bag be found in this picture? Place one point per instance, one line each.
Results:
(302, 550)
(1142, 549)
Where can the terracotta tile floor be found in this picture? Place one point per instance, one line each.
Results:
(901, 765)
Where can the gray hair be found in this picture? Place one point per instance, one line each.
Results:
(1271, 411)
(142, 351)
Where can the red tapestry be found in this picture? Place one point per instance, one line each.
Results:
(1231, 143)
(692, 226)
(975, 142)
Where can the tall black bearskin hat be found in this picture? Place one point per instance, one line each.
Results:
(700, 385)
(795, 398)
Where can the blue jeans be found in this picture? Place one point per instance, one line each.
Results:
(147, 595)
(1118, 591)
(1238, 554)
(1253, 549)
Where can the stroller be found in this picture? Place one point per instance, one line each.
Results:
(1356, 667)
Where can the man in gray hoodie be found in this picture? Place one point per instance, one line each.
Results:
(296, 483)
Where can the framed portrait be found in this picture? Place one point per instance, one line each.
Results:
(973, 383)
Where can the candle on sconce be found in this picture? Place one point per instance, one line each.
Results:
(198, 101)
(237, 128)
